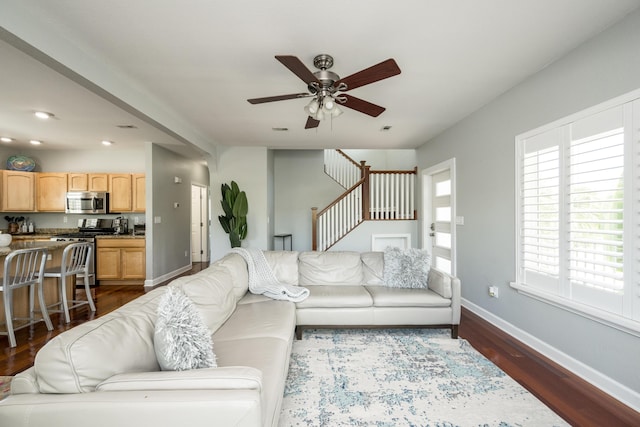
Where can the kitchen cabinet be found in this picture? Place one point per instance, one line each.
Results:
(139, 192)
(120, 192)
(120, 261)
(98, 182)
(77, 182)
(18, 191)
(51, 190)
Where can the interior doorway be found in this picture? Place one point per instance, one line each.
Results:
(199, 223)
(439, 219)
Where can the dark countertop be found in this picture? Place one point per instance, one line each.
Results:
(119, 236)
(22, 244)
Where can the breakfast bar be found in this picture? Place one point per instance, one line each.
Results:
(21, 296)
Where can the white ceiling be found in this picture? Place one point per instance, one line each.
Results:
(181, 71)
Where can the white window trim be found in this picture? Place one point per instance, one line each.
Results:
(621, 323)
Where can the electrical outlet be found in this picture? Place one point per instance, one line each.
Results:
(493, 291)
(64, 219)
(186, 253)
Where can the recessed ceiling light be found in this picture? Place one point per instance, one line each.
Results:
(280, 129)
(385, 128)
(35, 142)
(126, 126)
(106, 142)
(6, 139)
(43, 115)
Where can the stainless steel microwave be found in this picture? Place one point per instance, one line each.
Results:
(87, 202)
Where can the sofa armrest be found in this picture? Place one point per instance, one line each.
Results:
(226, 378)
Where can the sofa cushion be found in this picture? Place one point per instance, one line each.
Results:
(81, 358)
(284, 265)
(384, 296)
(237, 268)
(330, 268)
(181, 339)
(440, 282)
(212, 294)
(270, 318)
(322, 296)
(373, 267)
(407, 268)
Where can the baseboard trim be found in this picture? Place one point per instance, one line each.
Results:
(613, 388)
(152, 283)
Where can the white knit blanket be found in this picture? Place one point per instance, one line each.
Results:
(262, 280)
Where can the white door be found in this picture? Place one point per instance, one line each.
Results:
(199, 224)
(439, 226)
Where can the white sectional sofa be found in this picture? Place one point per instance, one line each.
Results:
(105, 372)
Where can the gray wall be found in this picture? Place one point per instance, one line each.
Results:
(484, 148)
(170, 239)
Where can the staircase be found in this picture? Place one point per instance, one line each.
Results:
(369, 195)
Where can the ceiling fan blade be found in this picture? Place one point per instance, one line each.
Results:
(363, 106)
(311, 123)
(377, 72)
(298, 68)
(278, 98)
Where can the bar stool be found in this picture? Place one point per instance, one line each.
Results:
(75, 261)
(24, 268)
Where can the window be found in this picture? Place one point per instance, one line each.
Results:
(577, 205)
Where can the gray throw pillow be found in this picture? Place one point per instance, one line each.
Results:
(181, 339)
(408, 268)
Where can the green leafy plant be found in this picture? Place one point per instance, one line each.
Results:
(235, 206)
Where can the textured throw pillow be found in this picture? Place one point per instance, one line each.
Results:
(181, 339)
(408, 268)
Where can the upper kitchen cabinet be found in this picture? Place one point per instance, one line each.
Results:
(120, 192)
(51, 189)
(139, 192)
(88, 182)
(99, 182)
(18, 191)
(77, 182)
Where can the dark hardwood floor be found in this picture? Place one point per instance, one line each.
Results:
(572, 398)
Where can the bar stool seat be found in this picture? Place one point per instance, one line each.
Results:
(75, 262)
(24, 268)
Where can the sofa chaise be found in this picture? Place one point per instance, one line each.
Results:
(105, 372)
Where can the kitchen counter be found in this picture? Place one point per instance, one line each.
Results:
(120, 236)
(30, 244)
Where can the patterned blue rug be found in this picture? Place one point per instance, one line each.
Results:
(402, 377)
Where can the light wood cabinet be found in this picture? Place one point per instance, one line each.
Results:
(98, 182)
(77, 182)
(18, 191)
(51, 191)
(139, 192)
(120, 261)
(120, 192)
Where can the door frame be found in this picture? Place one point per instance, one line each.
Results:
(427, 210)
(203, 196)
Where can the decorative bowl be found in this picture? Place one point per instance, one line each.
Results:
(21, 163)
(5, 239)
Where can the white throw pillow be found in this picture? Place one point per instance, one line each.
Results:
(181, 339)
(407, 268)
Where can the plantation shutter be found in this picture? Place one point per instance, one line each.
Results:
(540, 211)
(595, 205)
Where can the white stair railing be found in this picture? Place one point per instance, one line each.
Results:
(344, 170)
(392, 194)
(338, 219)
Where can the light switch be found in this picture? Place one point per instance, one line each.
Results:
(157, 220)
(459, 220)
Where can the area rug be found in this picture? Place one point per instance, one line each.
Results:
(402, 377)
(5, 386)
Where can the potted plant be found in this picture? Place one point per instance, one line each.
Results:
(235, 206)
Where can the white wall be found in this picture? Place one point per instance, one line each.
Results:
(385, 159)
(249, 167)
(483, 145)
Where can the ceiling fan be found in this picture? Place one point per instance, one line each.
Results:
(325, 87)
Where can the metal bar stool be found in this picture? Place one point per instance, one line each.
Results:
(24, 268)
(75, 261)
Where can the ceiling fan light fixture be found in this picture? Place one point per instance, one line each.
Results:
(336, 111)
(312, 107)
(329, 103)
